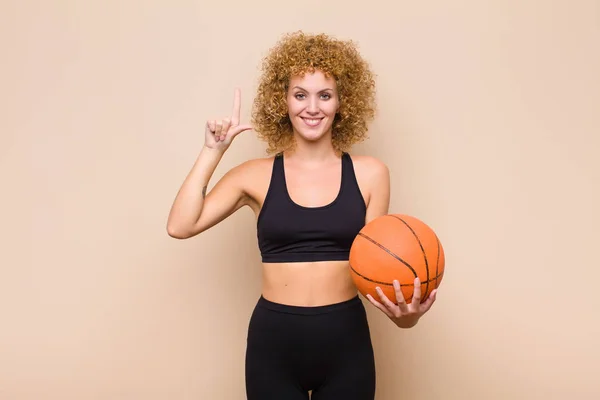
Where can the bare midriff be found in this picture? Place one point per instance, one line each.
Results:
(308, 284)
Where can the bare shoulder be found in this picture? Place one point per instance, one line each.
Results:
(256, 165)
(373, 178)
(254, 177)
(369, 167)
(254, 169)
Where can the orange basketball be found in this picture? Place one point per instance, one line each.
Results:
(396, 246)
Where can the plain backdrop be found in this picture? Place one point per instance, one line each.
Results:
(488, 118)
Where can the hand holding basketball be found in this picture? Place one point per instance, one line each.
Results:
(220, 133)
(402, 314)
(398, 259)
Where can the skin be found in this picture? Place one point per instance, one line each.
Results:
(313, 176)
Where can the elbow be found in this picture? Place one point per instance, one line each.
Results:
(177, 233)
(183, 232)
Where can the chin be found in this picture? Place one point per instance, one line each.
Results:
(312, 136)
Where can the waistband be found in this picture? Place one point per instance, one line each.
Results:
(308, 310)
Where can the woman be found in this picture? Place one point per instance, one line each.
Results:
(309, 330)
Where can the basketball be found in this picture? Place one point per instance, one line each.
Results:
(396, 246)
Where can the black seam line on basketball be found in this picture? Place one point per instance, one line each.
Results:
(387, 283)
(389, 252)
(420, 245)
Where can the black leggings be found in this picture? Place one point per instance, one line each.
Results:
(293, 349)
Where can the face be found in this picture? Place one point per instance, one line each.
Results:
(312, 102)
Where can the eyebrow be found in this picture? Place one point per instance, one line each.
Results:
(322, 90)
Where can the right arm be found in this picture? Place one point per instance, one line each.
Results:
(193, 211)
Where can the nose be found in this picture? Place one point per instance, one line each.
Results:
(313, 106)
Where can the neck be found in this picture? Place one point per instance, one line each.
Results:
(306, 151)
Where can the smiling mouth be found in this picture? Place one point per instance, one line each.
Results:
(312, 122)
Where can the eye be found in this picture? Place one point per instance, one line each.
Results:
(326, 96)
(299, 96)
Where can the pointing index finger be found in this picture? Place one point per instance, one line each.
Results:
(237, 100)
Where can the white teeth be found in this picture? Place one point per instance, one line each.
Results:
(312, 122)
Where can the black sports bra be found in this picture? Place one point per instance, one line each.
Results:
(289, 232)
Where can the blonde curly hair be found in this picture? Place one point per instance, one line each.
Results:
(294, 55)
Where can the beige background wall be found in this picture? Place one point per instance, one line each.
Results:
(489, 120)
